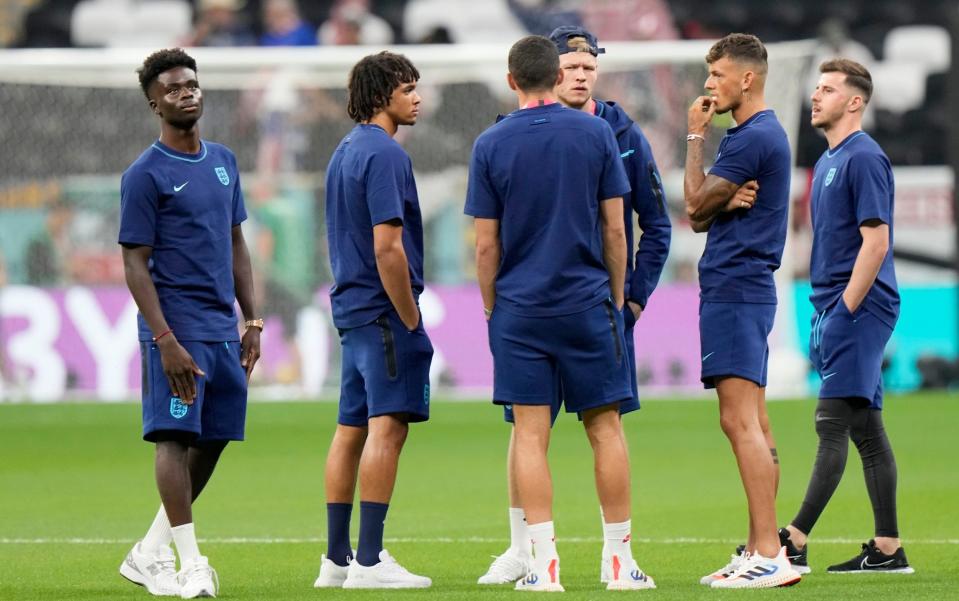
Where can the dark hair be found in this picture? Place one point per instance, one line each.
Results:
(534, 63)
(160, 61)
(857, 75)
(372, 81)
(741, 48)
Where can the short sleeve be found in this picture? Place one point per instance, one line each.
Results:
(239, 206)
(740, 157)
(139, 204)
(481, 198)
(387, 177)
(613, 182)
(870, 177)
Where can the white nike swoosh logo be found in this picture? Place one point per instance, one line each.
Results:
(180, 187)
(709, 355)
(827, 376)
(865, 563)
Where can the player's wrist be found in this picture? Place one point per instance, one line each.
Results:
(254, 323)
(696, 136)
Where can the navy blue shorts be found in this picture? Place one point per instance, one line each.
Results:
(385, 370)
(847, 349)
(624, 406)
(580, 358)
(219, 410)
(734, 342)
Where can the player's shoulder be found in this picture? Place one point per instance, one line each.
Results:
(215, 150)
(864, 150)
(143, 167)
(764, 125)
(617, 117)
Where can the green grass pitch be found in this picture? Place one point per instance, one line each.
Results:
(76, 489)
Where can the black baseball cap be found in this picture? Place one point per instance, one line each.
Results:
(561, 36)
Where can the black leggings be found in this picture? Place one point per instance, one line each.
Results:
(837, 421)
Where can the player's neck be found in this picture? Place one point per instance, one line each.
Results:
(748, 108)
(528, 99)
(383, 120)
(841, 130)
(186, 141)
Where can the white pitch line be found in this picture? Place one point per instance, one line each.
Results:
(439, 540)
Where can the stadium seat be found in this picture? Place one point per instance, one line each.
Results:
(128, 23)
(928, 45)
(157, 23)
(94, 22)
(899, 86)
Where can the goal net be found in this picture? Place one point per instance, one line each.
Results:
(73, 120)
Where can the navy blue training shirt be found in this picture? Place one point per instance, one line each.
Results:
(852, 183)
(745, 247)
(185, 206)
(542, 172)
(369, 181)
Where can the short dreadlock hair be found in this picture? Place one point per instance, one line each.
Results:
(372, 81)
(160, 61)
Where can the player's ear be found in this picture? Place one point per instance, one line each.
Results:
(511, 82)
(154, 107)
(856, 104)
(559, 77)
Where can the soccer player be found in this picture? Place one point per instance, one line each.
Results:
(375, 235)
(743, 203)
(545, 188)
(857, 306)
(186, 263)
(578, 50)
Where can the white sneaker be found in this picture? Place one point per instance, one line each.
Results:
(157, 573)
(542, 578)
(388, 573)
(761, 572)
(625, 575)
(198, 579)
(724, 572)
(331, 574)
(506, 568)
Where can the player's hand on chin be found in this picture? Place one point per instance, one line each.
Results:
(701, 112)
(250, 350)
(179, 368)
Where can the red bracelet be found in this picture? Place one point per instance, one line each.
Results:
(155, 338)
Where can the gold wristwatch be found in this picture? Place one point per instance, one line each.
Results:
(254, 323)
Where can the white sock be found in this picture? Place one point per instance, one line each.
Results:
(185, 538)
(616, 538)
(519, 532)
(158, 535)
(544, 542)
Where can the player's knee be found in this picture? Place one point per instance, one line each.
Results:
(831, 427)
(530, 437)
(736, 424)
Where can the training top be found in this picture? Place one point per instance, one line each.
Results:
(646, 198)
(745, 247)
(369, 181)
(542, 172)
(852, 183)
(185, 207)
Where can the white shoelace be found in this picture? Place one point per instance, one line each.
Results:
(504, 566)
(201, 569)
(735, 563)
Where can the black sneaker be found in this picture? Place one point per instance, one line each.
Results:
(797, 557)
(873, 560)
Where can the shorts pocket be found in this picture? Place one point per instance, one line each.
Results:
(611, 315)
(389, 345)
